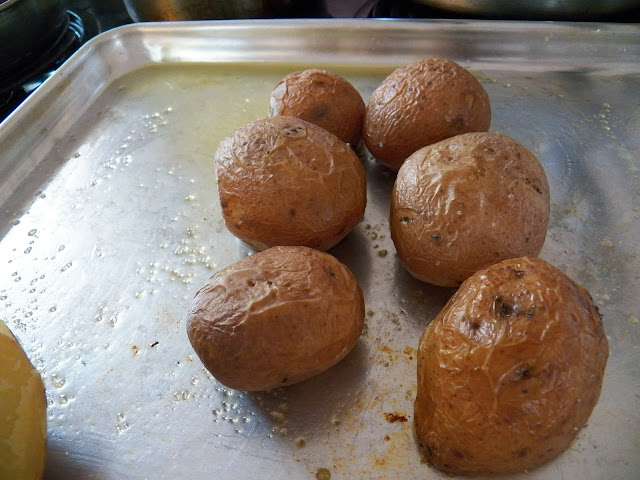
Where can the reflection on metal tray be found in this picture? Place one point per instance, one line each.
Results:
(110, 222)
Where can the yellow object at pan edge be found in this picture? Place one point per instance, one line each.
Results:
(23, 428)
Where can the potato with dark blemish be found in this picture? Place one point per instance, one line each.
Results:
(276, 318)
(322, 98)
(465, 203)
(509, 371)
(420, 104)
(285, 181)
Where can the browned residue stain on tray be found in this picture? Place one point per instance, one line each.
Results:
(409, 352)
(395, 455)
(323, 474)
(392, 417)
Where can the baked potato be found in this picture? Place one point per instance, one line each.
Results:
(23, 409)
(276, 318)
(465, 203)
(509, 371)
(285, 181)
(323, 98)
(422, 103)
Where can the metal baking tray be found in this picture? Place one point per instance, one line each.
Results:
(110, 222)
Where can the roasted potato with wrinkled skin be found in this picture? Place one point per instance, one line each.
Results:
(509, 371)
(323, 98)
(276, 318)
(465, 203)
(420, 104)
(285, 181)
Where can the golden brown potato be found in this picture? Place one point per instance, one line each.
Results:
(285, 181)
(422, 103)
(509, 371)
(323, 98)
(23, 413)
(276, 318)
(465, 203)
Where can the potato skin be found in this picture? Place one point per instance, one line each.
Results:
(420, 104)
(276, 318)
(285, 181)
(465, 203)
(509, 371)
(322, 98)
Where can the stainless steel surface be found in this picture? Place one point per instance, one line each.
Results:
(528, 8)
(26, 27)
(110, 223)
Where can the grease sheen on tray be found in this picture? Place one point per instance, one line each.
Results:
(109, 238)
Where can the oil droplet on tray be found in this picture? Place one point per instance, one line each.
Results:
(323, 474)
(57, 381)
(122, 427)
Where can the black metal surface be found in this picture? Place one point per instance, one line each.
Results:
(411, 9)
(16, 85)
(85, 19)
